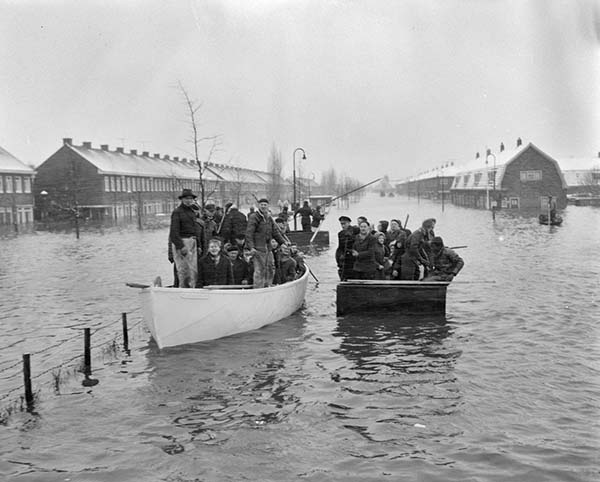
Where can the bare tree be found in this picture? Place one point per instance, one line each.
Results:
(193, 108)
(591, 179)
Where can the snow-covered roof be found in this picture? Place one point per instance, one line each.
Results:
(9, 164)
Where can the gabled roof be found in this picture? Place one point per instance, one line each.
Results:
(11, 165)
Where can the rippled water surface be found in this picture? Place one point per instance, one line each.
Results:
(506, 387)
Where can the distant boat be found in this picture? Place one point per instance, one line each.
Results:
(544, 220)
(407, 297)
(176, 316)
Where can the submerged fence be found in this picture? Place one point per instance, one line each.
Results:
(24, 397)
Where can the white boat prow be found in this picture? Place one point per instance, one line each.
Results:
(176, 316)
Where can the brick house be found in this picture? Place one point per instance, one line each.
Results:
(16, 197)
(521, 178)
(101, 184)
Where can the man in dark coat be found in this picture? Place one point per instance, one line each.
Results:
(417, 251)
(241, 272)
(234, 224)
(363, 251)
(185, 235)
(445, 263)
(304, 213)
(261, 229)
(343, 253)
(214, 268)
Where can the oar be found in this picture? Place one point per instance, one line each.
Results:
(406, 221)
(312, 274)
(353, 190)
(316, 232)
(458, 247)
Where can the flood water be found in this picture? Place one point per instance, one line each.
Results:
(506, 387)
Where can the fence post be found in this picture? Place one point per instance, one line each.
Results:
(87, 359)
(125, 333)
(27, 381)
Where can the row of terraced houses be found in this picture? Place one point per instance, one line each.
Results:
(521, 177)
(100, 183)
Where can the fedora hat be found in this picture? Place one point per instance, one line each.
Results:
(187, 193)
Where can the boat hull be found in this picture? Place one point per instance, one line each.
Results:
(543, 218)
(408, 297)
(177, 316)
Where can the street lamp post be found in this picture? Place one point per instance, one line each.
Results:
(294, 181)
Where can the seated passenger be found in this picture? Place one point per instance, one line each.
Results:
(287, 265)
(214, 268)
(445, 263)
(298, 257)
(241, 270)
(382, 256)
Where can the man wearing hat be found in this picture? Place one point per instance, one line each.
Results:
(343, 253)
(185, 235)
(261, 229)
(445, 263)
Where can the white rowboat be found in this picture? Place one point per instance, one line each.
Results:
(176, 316)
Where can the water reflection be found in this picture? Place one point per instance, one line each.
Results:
(403, 365)
(209, 394)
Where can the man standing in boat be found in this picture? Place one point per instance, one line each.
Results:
(186, 235)
(445, 263)
(261, 229)
(552, 208)
(343, 253)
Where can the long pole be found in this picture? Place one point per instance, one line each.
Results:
(350, 192)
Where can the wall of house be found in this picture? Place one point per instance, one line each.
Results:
(531, 178)
(16, 198)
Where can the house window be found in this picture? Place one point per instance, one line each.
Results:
(106, 184)
(27, 184)
(528, 176)
(112, 184)
(466, 178)
(477, 178)
(9, 184)
(1, 183)
(18, 184)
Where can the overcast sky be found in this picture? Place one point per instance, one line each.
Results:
(368, 87)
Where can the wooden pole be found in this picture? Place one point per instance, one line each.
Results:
(27, 381)
(87, 359)
(125, 333)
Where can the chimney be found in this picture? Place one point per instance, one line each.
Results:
(87, 145)
(133, 151)
(156, 155)
(120, 149)
(166, 158)
(501, 146)
(477, 155)
(176, 158)
(185, 159)
(104, 147)
(145, 153)
(488, 152)
(519, 142)
(67, 141)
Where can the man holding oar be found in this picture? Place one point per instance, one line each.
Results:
(445, 263)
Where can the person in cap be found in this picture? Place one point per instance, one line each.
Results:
(417, 251)
(261, 229)
(363, 251)
(185, 234)
(343, 253)
(241, 272)
(445, 263)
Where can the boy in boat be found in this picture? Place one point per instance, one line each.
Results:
(186, 236)
(214, 268)
(261, 229)
(445, 263)
(298, 257)
(239, 266)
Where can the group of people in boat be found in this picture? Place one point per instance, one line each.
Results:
(389, 251)
(214, 246)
